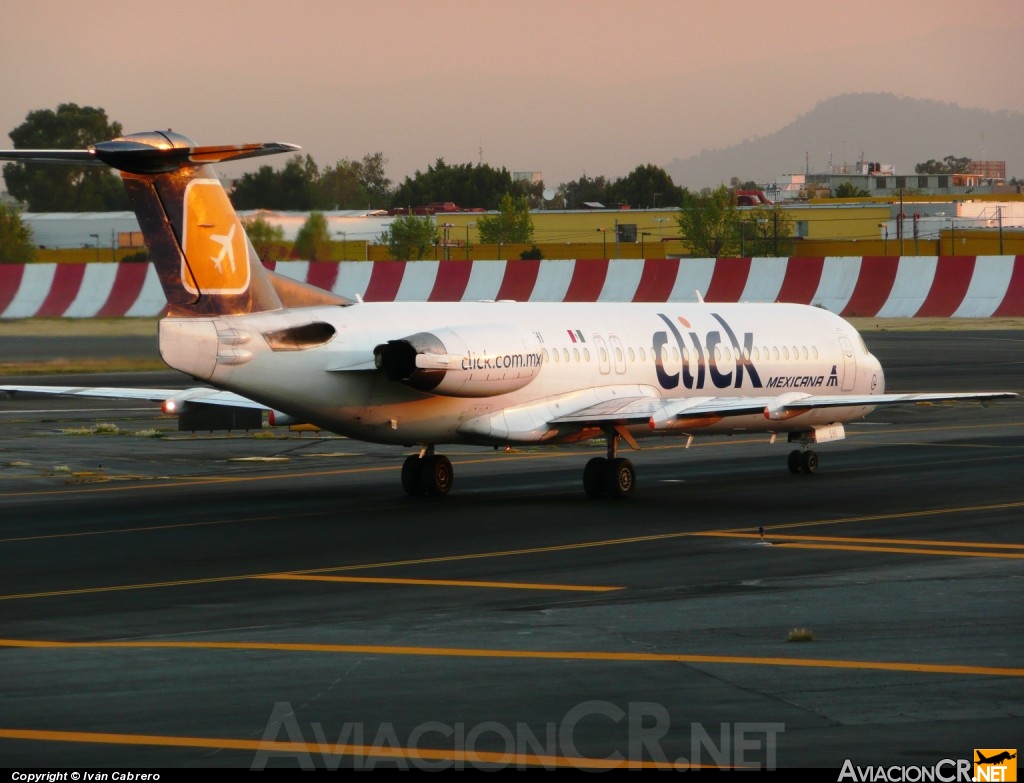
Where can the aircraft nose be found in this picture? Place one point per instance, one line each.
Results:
(877, 376)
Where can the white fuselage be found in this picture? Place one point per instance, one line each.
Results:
(559, 358)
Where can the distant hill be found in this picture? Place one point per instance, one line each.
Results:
(886, 128)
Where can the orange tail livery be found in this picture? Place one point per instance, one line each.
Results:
(197, 243)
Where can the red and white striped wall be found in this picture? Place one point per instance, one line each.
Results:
(912, 286)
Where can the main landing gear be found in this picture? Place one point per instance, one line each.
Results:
(609, 476)
(427, 473)
(803, 461)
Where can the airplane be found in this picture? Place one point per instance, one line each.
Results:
(424, 374)
(996, 759)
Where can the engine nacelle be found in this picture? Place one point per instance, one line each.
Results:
(474, 361)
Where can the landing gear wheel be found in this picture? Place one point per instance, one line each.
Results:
(594, 477)
(411, 482)
(620, 478)
(795, 460)
(437, 475)
(809, 462)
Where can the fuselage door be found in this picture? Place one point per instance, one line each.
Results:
(618, 355)
(603, 357)
(849, 364)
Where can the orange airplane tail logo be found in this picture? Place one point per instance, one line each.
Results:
(215, 249)
(995, 764)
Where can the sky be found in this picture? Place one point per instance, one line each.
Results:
(591, 87)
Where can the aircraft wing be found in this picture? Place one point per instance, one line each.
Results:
(879, 400)
(199, 395)
(640, 409)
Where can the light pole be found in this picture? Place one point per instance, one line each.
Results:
(643, 235)
(344, 244)
(885, 246)
(1000, 208)
(468, 226)
(604, 242)
(97, 238)
(447, 247)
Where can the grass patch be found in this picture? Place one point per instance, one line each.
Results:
(79, 327)
(99, 428)
(73, 366)
(800, 635)
(868, 324)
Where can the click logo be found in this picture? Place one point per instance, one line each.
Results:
(704, 360)
(216, 254)
(995, 764)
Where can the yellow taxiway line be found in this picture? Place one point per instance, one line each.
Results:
(890, 545)
(555, 655)
(439, 582)
(386, 751)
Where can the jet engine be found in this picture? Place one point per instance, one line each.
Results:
(477, 361)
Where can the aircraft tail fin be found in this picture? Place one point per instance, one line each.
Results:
(196, 241)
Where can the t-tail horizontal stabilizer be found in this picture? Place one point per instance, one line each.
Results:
(204, 260)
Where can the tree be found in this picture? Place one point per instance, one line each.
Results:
(710, 223)
(511, 224)
(948, 165)
(293, 187)
(339, 187)
(849, 190)
(374, 179)
(410, 237)
(647, 186)
(464, 183)
(301, 185)
(16, 245)
(45, 187)
(267, 240)
(313, 242)
(766, 231)
(576, 193)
